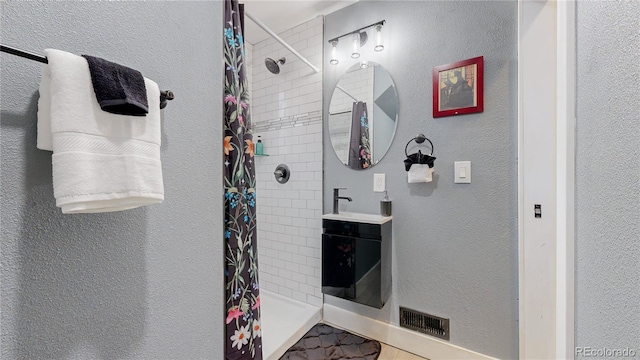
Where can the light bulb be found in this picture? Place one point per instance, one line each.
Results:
(356, 45)
(364, 64)
(334, 53)
(379, 46)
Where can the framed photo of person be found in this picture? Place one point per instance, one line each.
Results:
(458, 88)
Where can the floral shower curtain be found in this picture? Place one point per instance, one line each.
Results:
(359, 147)
(242, 332)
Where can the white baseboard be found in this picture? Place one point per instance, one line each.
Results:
(407, 340)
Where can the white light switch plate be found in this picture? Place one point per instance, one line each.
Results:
(462, 172)
(378, 183)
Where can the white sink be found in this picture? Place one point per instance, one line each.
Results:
(358, 217)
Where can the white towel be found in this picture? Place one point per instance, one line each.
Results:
(419, 173)
(101, 161)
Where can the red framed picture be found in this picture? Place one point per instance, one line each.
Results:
(458, 88)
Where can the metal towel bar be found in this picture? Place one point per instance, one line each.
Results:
(164, 95)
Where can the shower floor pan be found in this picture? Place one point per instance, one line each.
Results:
(284, 321)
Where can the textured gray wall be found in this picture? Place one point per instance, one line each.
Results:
(144, 283)
(455, 245)
(608, 175)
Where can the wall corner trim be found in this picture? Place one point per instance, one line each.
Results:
(396, 336)
(565, 177)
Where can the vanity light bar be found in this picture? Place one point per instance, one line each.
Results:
(381, 22)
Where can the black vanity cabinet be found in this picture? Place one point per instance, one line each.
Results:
(356, 260)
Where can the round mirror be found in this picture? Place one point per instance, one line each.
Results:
(363, 115)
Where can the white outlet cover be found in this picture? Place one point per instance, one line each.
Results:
(379, 183)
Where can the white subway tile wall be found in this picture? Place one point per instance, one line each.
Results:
(287, 114)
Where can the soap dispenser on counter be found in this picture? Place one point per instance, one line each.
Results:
(385, 205)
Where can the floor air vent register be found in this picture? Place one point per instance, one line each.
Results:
(424, 323)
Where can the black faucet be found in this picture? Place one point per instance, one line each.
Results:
(336, 197)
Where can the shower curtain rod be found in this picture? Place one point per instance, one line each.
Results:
(164, 95)
(346, 92)
(279, 39)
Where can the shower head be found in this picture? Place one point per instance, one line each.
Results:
(272, 65)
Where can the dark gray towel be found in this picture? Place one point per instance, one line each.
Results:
(119, 89)
(418, 158)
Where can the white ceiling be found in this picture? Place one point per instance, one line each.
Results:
(282, 15)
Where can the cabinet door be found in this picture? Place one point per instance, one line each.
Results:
(339, 265)
(368, 272)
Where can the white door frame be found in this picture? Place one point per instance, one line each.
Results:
(546, 175)
(566, 163)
